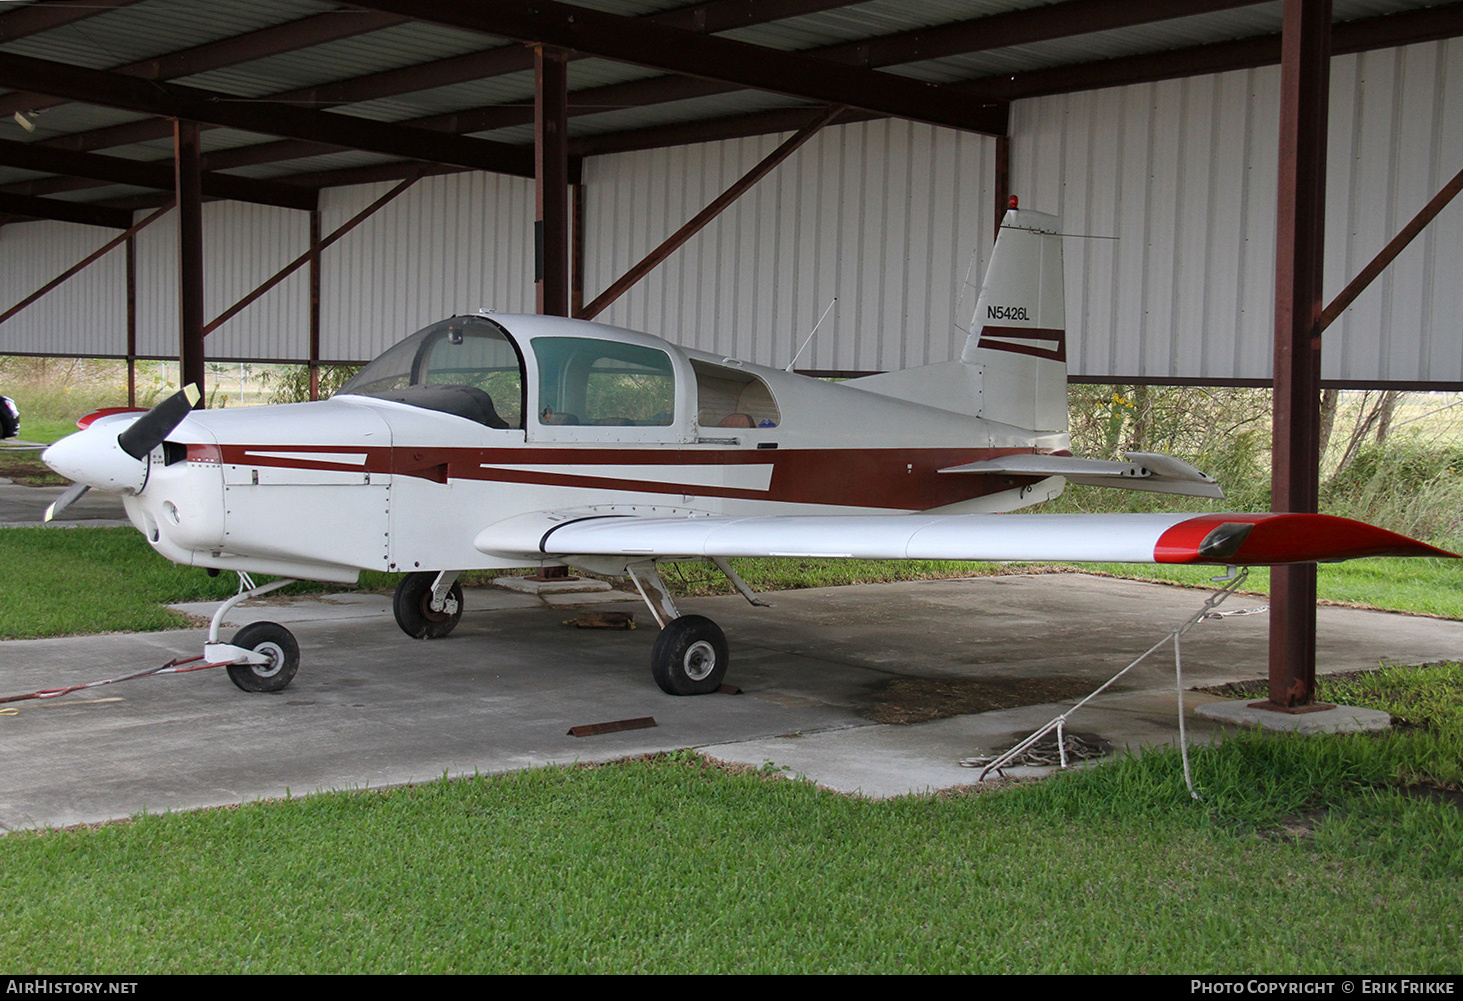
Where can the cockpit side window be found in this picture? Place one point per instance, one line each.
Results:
(585, 381)
(728, 397)
(464, 366)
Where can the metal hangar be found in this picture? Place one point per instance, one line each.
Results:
(307, 181)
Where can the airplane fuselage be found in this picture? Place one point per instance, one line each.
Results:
(324, 489)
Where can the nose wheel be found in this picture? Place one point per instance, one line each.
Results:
(278, 652)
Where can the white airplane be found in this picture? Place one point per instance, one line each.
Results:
(491, 441)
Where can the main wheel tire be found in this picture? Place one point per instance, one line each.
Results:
(275, 642)
(413, 607)
(689, 657)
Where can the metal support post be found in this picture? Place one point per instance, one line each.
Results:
(551, 176)
(189, 196)
(1295, 470)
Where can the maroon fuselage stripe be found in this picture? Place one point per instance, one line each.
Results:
(1012, 338)
(897, 478)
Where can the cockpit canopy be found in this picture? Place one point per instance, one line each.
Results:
(464, 366)
(553, 379)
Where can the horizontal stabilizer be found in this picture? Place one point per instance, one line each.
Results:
(1151, 471)
(1219, 539)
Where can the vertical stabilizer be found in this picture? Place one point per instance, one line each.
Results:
(1018, 338)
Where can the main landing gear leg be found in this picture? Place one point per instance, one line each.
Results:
(428, 605)
(690, 656)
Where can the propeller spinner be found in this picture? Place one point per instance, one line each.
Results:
(98, 458)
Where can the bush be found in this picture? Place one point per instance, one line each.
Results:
(1223, 431)
(292, 382)
(1407, 484)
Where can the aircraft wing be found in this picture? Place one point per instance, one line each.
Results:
(1220, 539)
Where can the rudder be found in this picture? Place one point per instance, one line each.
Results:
(1018, 335)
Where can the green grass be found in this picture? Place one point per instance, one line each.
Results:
(1424, 586)
(124, 584)
(127, 584)
(674, 865)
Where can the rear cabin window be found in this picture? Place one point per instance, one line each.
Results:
(728, 397)
(463, 366)
(588, 382)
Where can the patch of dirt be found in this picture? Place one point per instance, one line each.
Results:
(1296, 827)
(27, 469)
(916, 700)
(1260, 688)
(1300, 826)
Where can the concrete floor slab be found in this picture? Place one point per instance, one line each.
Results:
(22, 506)
(372, 707)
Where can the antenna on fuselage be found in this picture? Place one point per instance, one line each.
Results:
(833, 302)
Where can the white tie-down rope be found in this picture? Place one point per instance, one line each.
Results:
(1060, 722)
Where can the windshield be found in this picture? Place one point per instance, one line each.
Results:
(464, 366)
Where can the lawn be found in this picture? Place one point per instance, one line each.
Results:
(1306, 855)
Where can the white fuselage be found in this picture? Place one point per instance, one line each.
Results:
(321, 490)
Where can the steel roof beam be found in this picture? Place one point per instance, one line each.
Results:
(115, 90)
(53, 208)
(709, 130)
(156, 174)
(715, 15)
(1385, 31)
(1366, 34)
(243, 48)
(641, 43)
(36, 18)
(958, 38)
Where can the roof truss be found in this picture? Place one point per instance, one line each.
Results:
(684, 48)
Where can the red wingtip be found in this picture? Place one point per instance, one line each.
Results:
(1272, 539)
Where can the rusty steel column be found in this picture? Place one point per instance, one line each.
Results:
(131, 292)
(189, 196)
(315, 305)
(1299, 249)
(551, 177)
(551, 184)
(576, 286)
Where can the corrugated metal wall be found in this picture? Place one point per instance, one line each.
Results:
(85, 316)
(449, 244)
(884, 215)
(1182, 173)
(243, 245)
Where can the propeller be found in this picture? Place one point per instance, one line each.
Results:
(71, 496)
(95, 458)
(148, 431)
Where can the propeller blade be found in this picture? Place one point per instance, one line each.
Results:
(149, 430)
(71, 496)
